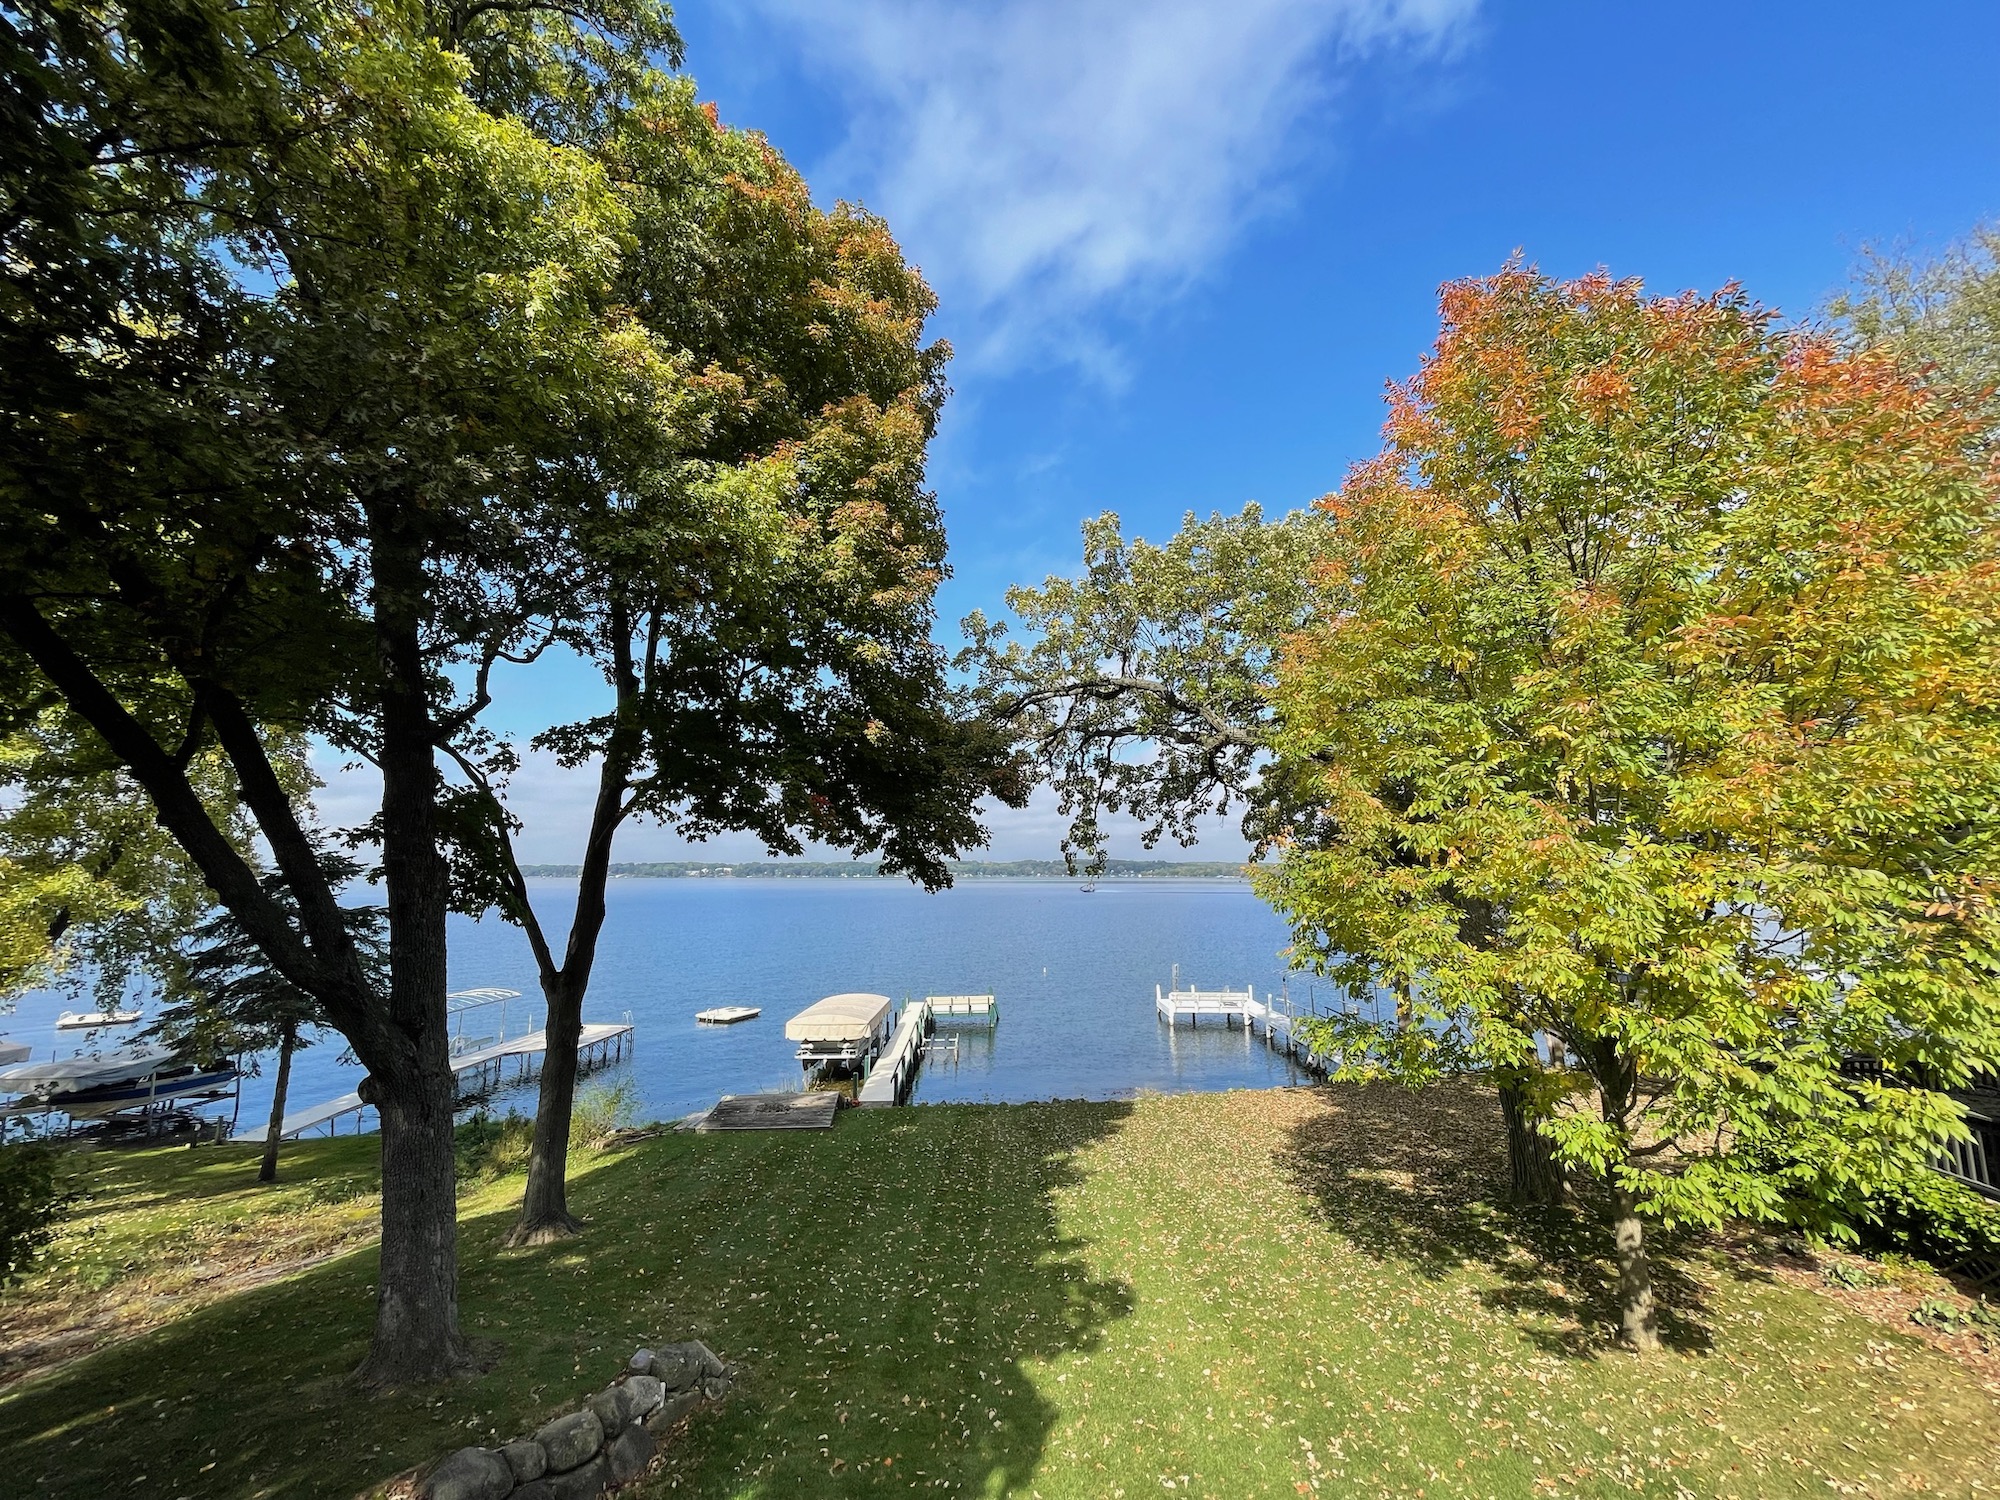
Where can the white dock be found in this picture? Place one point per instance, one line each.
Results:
(486, 1067)
(895, 1069)
(1192, 1006)
(973, 1007)
(1273, 1016)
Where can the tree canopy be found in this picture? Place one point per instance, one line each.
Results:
(352, 353)
(1648, 699)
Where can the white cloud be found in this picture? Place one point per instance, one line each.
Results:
(1051, 161)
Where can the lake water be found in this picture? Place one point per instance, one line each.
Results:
(1073, 972)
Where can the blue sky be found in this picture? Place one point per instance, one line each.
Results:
(1180, 246)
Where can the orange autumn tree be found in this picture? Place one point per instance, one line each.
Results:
(1649, 701)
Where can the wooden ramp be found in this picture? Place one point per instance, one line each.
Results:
(773, 1112)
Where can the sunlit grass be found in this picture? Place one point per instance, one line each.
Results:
(1256, 1293)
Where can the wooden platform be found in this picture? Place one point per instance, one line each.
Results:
(773, 1112)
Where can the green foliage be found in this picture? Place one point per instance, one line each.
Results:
(1144, 686)
(486, 1149)
(33, 1194)
(89, 881)
(1849, 1276)
(1933, 1216)
(1651, 699)
(602, 1109)
(1940, 315)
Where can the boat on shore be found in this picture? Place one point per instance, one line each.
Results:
(728, 1015)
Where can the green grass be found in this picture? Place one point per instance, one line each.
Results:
(1246, 1294)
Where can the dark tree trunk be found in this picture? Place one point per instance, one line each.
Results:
(267, 1170)
(545, 1211)
(416, 1300)
(1535, 1176)
(1637, 1327)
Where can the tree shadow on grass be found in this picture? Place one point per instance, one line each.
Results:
(1419, 1177)
(881, 1286)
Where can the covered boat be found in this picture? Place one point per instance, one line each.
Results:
(841, 1030)
(130, 1078)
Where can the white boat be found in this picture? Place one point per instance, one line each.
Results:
(840, 1031)
(87, 1020)
(728, 1015)
(86, 1087)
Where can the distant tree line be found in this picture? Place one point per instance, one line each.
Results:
(861, 869)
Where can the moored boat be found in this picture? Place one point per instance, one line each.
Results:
(130, 1078)
(841, 1032)
(90, 1020)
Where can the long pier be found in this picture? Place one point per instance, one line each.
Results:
(1275, 1018)
(477, 1072)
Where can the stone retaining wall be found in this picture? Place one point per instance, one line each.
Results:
(603, 1445)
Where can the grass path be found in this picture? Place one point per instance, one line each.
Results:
(1247, 1294)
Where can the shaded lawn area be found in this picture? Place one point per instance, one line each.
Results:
(1244, 1294)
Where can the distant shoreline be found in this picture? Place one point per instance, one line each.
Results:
(971, 869)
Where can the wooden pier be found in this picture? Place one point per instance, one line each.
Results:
(478, 1072)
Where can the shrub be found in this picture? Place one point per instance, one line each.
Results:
(32, 1197)
(600, 1110)
(486, 1148)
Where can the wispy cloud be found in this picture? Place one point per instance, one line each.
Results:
(1053, 163)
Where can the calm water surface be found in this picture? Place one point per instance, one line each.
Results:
(1074, 974)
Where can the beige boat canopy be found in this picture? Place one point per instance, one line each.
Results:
(839, 1018)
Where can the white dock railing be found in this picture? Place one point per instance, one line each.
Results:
(897, 1066)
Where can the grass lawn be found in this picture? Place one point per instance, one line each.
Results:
(1238, 1294)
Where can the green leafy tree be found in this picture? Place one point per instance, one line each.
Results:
(238, 516)
(91, 887)
(1663, 643)
(1940, 315)
(1145, 687)
(357, 374)
(1142, 686)
(229, 1000)
(32, 1197)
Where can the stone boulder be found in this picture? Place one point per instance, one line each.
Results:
(469, 1474)
(673, 1409)
(586, 1483)
(570, 1441)
(629, 1453)
(646, 1393)
(527, 1458)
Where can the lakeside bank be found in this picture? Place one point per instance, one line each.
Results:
(1249, 1291)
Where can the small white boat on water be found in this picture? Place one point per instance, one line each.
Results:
(90, 1020)
(728, 1015)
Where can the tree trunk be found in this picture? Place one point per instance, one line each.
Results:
(415, 1092)
(1636, 1324)
(1535, 1175)
(545, 1214)
(267, 1170)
